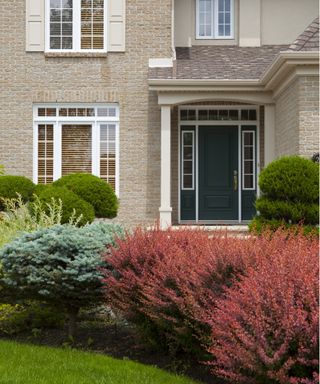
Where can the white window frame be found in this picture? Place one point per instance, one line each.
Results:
(253, 160)
(182, 162)
(215, 19)
(58, 121)
(76, 30)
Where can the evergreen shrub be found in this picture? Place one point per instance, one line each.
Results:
(59, 265)
(12, 186)
(290, 193)
(72, 205)
(93, 190)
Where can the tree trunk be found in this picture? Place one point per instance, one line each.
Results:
(72, 323)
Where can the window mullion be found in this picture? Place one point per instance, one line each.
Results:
(77, 26)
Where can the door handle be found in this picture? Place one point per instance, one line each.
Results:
(235, 180)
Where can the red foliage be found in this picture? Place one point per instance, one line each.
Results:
(174, 284)
(266, 329)
(170, 278)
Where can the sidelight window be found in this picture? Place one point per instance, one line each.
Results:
(188, 160)
(248, 160)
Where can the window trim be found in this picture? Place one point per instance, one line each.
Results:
(58, 121)
(76, 30)
(215, 26)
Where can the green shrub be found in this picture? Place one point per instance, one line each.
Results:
(289, 212)
(21, 317)
(290, 194)
(72, 205)
(65, 267)
(259, 225)
(291, 178)
(10, 186)
(93, 190)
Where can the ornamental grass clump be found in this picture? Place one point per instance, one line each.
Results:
(265, 331)
(60, 265)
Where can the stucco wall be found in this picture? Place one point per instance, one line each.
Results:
(27, 78)
(297, 118)
(273, 22)
(282, 21)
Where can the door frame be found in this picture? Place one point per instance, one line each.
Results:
(197, 124)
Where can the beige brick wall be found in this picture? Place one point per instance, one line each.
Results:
(287, 121)
(27, 78)
(297, 118)
(308, 115)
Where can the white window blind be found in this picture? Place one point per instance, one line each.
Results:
(45, 153)
(108, 153)
(76, 149)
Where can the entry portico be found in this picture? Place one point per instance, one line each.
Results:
(218, 157)
(221, 123)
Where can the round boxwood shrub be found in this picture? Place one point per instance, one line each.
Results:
(93, 190)
(291, 178)
(71, 204)
(11, 185)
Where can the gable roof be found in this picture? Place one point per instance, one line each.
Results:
(309, 38)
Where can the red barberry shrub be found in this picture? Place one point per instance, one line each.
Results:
(165, 281)
(265, 330)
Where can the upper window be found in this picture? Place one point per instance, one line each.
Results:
(76, 25)
(215, 19)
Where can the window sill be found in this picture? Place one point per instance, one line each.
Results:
(76, 54)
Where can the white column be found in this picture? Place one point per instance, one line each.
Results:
(165, 208)
(269, 133)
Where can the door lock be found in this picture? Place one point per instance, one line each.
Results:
(235, 180)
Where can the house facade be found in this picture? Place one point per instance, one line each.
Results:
(177, 104)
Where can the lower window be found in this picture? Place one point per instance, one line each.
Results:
(76, 139)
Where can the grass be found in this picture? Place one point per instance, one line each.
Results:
(27, 364)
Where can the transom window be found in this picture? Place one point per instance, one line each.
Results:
(215, 19)
(76, 139)
(76, 25)
(218, 114)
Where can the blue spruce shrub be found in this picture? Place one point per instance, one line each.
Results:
(60, 265)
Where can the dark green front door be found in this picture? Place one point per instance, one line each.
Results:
(218, 173)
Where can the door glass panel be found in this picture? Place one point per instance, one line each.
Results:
(45, 153)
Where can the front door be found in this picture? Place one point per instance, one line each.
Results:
(218, 173)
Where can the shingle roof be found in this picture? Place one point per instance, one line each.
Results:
(219, 62)
(308, 40)
(232, 62)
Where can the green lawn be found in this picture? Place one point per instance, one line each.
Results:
(27, 364)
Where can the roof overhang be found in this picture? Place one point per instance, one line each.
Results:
(284, 68)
